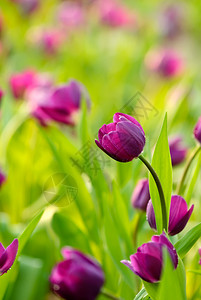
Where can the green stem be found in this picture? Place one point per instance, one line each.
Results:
(182, 181)
(109, 295)
(160, 190)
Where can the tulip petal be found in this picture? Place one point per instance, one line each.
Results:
(151, 215)
(128, 264)
(119, 117)
(11, 252)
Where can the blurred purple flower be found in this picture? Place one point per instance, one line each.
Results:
(1, 94)
(171, 20)
(7, 256)
(199, 251)
(58, 103)
(141, 195)
(2, 177)
(70, 14)
(77, 277)
(27, 6)
(49, 40)
(177, 151)
(21, 83)
(147, 263)
(197, 131)
(123, 140)
(114, 14)
(166, 63)
(178, 218)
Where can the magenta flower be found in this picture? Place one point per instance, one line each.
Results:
(71, 15)
(199, 251)
(197, 131)
(77, 277)
(7, 256)
(147, 263)
(171, 21)
(2, 178)
(58, 103)
(115, 15)
(178, 218)
(166, 63)
(21, 82)
(177, 151)
(141, 195)
(1, 94)
(123, 140)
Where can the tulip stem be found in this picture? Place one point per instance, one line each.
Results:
(160, 190)
(109, 295)
(189, 162)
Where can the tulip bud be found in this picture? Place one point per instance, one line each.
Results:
(77, 277)
(147, 263)
(20, 82)
(141, 195)
(58, 103)
(178, 218)
(177, 151)
(2, 178)
(1, 95)
(199, 251)
(197, 131)
(166, 63)
(7, 256)
(123, 140)
(115, 15)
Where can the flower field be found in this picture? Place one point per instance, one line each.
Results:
(100, 150)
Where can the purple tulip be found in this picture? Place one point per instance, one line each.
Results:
(197, 131)
(171, 21)
(71, 15)
(27, 6)
(77, 277)
(1, 95)
(147, 263)
(141, 195)
(58, 103)
(2, 178)
(178, 218)
(177, 151)
(115, 15)
(166, 63)
(123, 140)
(7, 256)
(21, 82)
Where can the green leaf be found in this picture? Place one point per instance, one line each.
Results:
(142, 295)
(69, 233)
(161, 162)
(23, 238)
(152, 289)
(184, 244)
(197, 272)
(173, 282)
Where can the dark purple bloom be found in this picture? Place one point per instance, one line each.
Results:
(177, 151)
(141, 195)
(178, 218)
(147, 263)
(7, 256)
(77, 277)
(166, 63)
(2, 178)
(197, 131)
(123, 140)
(58, 103)
(1, 95)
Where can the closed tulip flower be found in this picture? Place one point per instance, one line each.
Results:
(141, 195)
(1, 95)
(197, 131)
(123, 140)
(58, 103)
(147, 263)
(178, 218)
(21, 82)
(199, 251)
(2, 177)
(7, 256)
(177, 151)
(77, 277)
